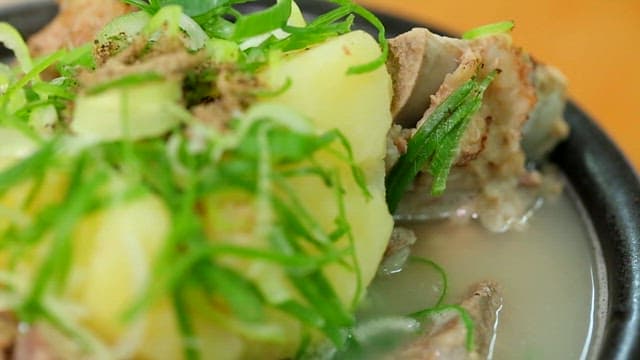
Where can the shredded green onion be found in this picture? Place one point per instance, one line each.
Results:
(489, 29)
(167, 19)
(464, 316)
(127, 80)
(31, 75)
(29, 167)
(449, 147)
(259, 156)
(189, 338)
(439, 135)
(377, 24)
(262, 21)
(12, 40)
(140, 4)
(440, 271)
(220, 20)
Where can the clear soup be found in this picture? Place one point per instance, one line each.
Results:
(551, 273)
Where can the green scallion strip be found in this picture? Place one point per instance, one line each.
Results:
(19, 118)
(326, 299)
(298, 218)
(382, 38)
(410, 163)
(143, 5)
(65, 327)
(81, 56)
(489, 29)
(299, 228)
(301, 225)
(321, 296)
(342, 222)
(440, 271)
(187, 260)
(12, 40)
(34, 191)
(187, 263)
(241, 295)
(33, 74)
(46, 89)
(125, 81)
(446, 153)
(261, 22)
(293, 261)
(466, 318)
(28, 168)
(317, 28)
(276, 92)
(167, 20)
(333, 15)
(304, 346)
(437, 140)
(130, 162)
(185, 324)
(356, 171)
(303, 313)
(54, 267)
(264, 210)
(171, 267)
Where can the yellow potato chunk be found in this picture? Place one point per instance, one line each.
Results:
(358, 106)
(114, 248)
(132, 112)
(15, 145)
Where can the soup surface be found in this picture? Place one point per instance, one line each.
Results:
(550, 273)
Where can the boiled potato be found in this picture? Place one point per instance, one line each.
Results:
(358, 106)
(15, 145)
(114, 255)
(129, 112)
(114, 248)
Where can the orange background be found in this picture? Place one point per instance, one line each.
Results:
(596, 44)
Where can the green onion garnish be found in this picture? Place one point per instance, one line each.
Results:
(263, 21)
(489, 29)
(437, 140)
(259, 158)
(440, 271)
(466, 318)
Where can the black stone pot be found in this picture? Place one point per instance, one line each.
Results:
(601, 176)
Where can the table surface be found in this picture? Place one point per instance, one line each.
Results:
(594, 42)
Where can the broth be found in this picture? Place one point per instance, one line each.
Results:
(551, 275)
